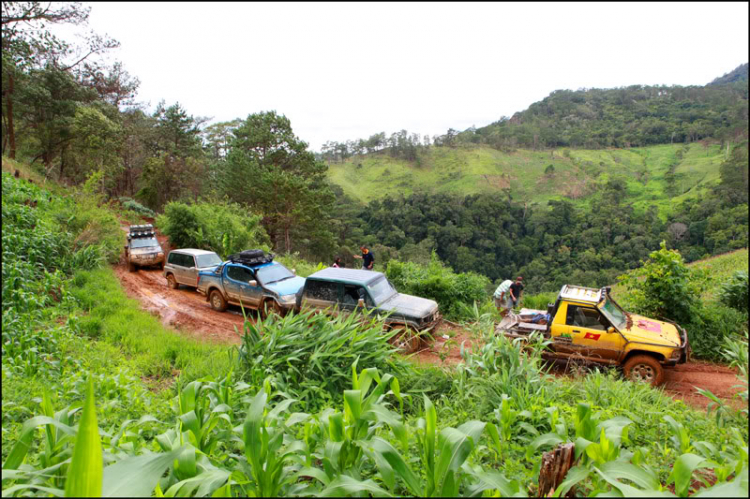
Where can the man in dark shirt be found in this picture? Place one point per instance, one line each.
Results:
(515, 291)
(368, 259)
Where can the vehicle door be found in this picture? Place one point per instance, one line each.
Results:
(600, 338)
(190, 270)
(351, 295)
(588, 331)
(173, 263)
(253, 294)
(237, 282)
(320, 295)
(178, 265)
(560, 331)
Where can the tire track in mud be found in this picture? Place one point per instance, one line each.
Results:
(184, 308)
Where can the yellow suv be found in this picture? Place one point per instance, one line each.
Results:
(586, 324)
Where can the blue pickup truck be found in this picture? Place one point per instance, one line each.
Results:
(267, 287)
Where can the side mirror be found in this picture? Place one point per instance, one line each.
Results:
(361, 303)
(610, 330)
(253, 283)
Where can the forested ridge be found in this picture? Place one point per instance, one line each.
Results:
(72, 115)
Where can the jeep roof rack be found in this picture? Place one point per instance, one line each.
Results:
(146, 230)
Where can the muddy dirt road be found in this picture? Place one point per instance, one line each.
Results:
(183, 309)
(187, 311)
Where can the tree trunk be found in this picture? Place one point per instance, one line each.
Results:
(11, 129)
(555, 465)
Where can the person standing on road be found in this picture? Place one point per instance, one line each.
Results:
(368, 259)
(502, 297)
(515, 291)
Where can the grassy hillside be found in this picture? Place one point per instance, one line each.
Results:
(717, 270)
(578, 173)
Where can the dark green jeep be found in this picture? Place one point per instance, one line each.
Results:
(337, 290)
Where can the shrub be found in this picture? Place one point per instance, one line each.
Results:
(133, 205)
(662, 287)
(438, 282)
(666, 288)
(311, 355)
(710, 328)
(734, 292)
(222, 227)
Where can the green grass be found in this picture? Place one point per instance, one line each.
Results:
(578, 174)
(156, 351)
(718, 269)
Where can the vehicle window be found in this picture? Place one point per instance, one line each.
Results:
(143, 242)
(353, 293)
(614, 313)
(188, 261)
(589, 318)
(273, 273)
(208, 260)
(173, 258)
(239, 273)
(321, 290)
(381, 290)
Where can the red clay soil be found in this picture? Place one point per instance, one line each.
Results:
(184, 308)
(681, 382)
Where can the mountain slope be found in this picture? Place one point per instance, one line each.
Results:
(656, 175)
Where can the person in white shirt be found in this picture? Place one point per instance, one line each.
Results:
(502, 297)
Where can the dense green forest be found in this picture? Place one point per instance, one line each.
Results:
(552, 214)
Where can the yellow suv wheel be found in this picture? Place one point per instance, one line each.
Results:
(644, 368)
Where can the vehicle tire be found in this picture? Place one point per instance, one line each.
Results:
(269, 307)
(406, 340)
(172, 282)
(644, 368)
(131, 267)
(218, 302)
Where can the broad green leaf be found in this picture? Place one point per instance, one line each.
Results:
(575, 475)
(85, 472)
(199, 486)
(397, 463)
(635, 474)
(353, 402)
(136, 476)
(10, 491)
(316, 473)
(682, 471)
(345, 485)
(18, 453)
(736, 488)
(551, 439)
(455, 447)
(496, 481)
(630, 491)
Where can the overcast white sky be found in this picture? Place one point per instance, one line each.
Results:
(343, 71)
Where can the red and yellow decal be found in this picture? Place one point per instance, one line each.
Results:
(592, 336)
